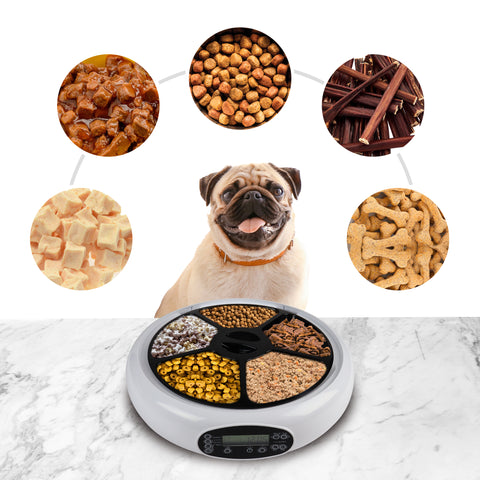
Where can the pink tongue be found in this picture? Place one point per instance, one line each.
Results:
(251, 225)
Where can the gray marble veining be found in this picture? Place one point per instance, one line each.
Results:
(414, 414)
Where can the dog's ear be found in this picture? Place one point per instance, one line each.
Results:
(208, 183)
(292, 176)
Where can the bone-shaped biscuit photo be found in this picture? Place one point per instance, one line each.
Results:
(398, 239)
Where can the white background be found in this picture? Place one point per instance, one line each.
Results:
(157, 185)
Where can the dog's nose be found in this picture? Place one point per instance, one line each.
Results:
(252, 195)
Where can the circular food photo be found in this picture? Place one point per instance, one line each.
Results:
(240, 78)
(108, 105)
(372, 105)
(398, 239)
(80, 239)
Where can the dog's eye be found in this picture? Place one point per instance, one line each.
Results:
(227, 195)
(278, 191)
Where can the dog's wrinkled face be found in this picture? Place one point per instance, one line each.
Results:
(251, 204)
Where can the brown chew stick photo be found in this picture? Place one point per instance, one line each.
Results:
(382, 107)
(379, 85)
(331, 113)
(365, 99)
(378, 144)
(372, 105)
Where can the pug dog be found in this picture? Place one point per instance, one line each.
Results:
(250, 250)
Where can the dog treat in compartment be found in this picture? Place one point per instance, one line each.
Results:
(296, 335)
(398, 239)
(182, 335)
(80, 240)
(205, 376)
(277, 376)
(108, 105)
(238, 316)
(372, 105)
(240, 78)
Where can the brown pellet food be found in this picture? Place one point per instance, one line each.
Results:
(238, 316)
(205, 376)
(398, 239)
(182, 335)
(277, 376)
(372, 105)
(293, 334)
(234, 73)
(108, 105)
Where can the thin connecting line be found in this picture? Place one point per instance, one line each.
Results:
(311, 77)
(404, 165)
(171, 77)
(77, 168)
(318, 80)
(79, 164)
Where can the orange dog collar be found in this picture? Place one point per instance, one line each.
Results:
(251, 263)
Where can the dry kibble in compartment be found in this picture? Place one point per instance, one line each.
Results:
(238, 316)
(108, 110)
(293, 334)
(277, 376)
(243, 69)
(205, 376)
(182, 335)
(80, 240)
(398, 239)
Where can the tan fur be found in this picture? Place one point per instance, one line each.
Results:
(208, 277)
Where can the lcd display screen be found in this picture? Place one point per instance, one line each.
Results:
(240, 440)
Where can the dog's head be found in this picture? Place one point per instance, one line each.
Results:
(251, 207)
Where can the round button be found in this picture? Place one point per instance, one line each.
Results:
(262, 450)
(283, 447)
(274, 447)
(276, 436)
(208, 450)
(284, 436)
(227, 450)
(249, 450)
(207, 436)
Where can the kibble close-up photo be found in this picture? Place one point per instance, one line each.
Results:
(240, 78)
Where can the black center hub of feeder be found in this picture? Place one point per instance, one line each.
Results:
(241, 342)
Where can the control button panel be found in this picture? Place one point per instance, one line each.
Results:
(245, 441)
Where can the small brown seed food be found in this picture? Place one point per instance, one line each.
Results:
(238, 316)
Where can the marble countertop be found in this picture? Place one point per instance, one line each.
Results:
(414, 414)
